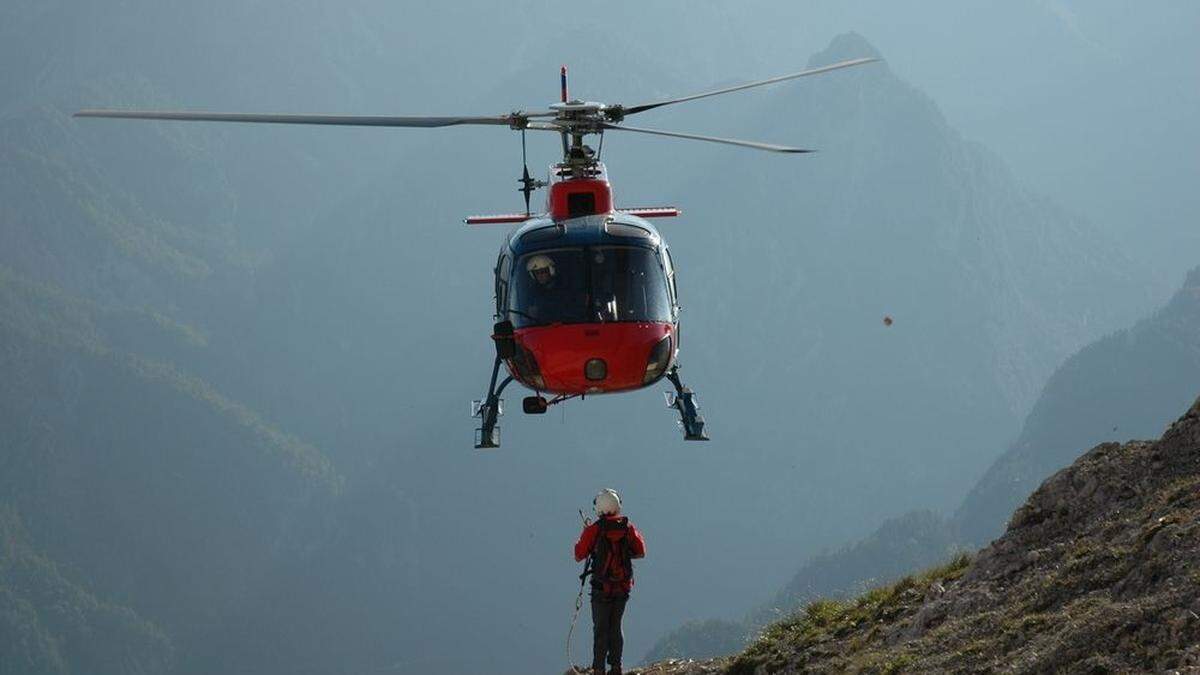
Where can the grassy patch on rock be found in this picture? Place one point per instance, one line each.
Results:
(826, 621)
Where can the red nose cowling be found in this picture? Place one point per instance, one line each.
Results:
(562, 352)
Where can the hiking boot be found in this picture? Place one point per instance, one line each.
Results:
(615, 670)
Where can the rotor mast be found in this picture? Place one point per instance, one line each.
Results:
(575, 119)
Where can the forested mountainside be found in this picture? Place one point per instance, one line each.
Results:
(51, 624)
(1095, 572)
(138, 501)
(151, 524)
(1116, 387)
(152, 520)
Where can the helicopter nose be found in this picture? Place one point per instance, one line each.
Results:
(594, 357)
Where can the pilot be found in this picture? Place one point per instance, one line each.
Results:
(549, 299)
(541, 268)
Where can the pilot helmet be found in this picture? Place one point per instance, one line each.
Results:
(540, 263)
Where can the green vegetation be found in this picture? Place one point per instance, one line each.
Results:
(295, 454)
(787, 641)
(48, 315)
(51, 624)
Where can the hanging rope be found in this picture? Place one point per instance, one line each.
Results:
(587, 569)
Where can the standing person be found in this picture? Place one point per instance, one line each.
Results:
(612, 542)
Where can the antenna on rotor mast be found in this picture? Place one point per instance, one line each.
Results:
(528, 183)
(563, 78)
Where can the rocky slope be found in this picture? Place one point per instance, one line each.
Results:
(1097, 572)
(1118, 387)
(910, 542)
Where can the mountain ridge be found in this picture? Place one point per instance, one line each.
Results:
(1112, 388)
(1094, 573)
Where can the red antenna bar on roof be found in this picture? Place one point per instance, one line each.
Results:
(564, 84)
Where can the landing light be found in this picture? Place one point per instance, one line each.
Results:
(660, 357)
(595, 369)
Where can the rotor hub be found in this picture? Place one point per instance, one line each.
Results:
(578, 106)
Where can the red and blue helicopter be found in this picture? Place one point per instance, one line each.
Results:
(586, 296)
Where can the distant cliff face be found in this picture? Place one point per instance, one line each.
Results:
(989, 285)
(1117, 387)
(1096, 573)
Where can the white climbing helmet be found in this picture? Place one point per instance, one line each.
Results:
(607, 503)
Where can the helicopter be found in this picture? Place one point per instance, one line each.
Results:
(586, 298)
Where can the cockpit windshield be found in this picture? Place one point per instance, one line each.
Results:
(589, 284)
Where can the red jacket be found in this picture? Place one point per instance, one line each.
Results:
(587, 541)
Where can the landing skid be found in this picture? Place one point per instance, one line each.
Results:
(489, 411)
(684, 401)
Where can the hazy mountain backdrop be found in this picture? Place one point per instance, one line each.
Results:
(237, 361)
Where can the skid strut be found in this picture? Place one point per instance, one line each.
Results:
(684, 401)
(489, 411)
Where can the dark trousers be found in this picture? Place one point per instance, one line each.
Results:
(607, 638)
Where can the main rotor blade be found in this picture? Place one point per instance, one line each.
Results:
(712, 139)
(342, 120)
(630, 110)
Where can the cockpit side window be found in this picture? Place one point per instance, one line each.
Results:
(671, 276)
(503, 270)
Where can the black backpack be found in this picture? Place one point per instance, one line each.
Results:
(612, 561)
